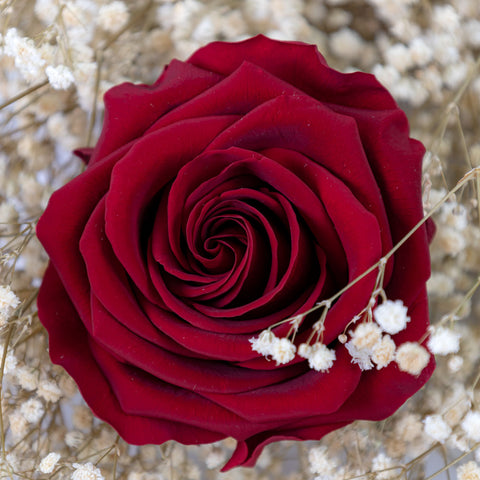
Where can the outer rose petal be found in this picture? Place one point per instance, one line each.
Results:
(70, 347)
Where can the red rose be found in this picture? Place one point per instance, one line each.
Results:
(246, 185)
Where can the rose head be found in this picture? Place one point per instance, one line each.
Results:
(245, 186)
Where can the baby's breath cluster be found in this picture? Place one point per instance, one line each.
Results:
(58, 57)
(370, 342)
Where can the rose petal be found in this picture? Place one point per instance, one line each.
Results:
(69, 346)
(179, 82)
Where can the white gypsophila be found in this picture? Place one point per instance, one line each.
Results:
(391, 316)
(18, 424)
(8, 303)
(32, 410)
(304, 350)
(440, 284)
(263, 344)
(471, 30)
(86, 471)
(10, 361)
(26, 56)
(60, 77)
(49, 391)
(387, 75)
(362, 357)
(399, 57)
(450, 241)
(321, 357)
(74, 438)
(346, 43)
(437, 428)
(455, 363)
(283, 351)
(471, 425)
(455, 74)
(382, 466)
(48, 463)
(383, 352)
(468, 471)
(366, 335)
(113, 16)
(420, 52)
(215, 458)
(445, 18)
(26, 377)
(46, 10)
(412, 358)
(444, 341)
(320, 462)
(454, 214)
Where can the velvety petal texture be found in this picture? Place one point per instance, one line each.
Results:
(245, 186)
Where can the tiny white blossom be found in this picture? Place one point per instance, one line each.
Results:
(366, 335)
(263, 344)
(321, 358)
(440, 284)
(437, 428)
(48, 463)
(26, 378)
(445, 18)
(346, 43)
(362, 357)
(8, 303)
(304, 350)
(215, 458)
(387, 75)
(444, 341)
(399, 57)
(383, 352)
(471, 425)
(49, 391)
(74, 438)
(283, 351)
(60, 77)
(18, 424)
(320, 462)
(468, 471)
(27, 57)
(32, 410)
(113, 16)
(455, 363)
(391, 316)
(86, 471)
(420, 52)
(10, 361)
(382, 466)
(412, 358)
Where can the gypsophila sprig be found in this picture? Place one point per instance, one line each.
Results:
(412, 358)
(8, 303)
(468, 471)
(437, 428)
(471, 425)
(86, 471)
(391, 316)
(443, 341)
(48, 463)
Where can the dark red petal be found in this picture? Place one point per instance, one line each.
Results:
(61, 226)
(300, 397)
(151, 164)
(69, 346)
(146, 103)
(300, 65)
